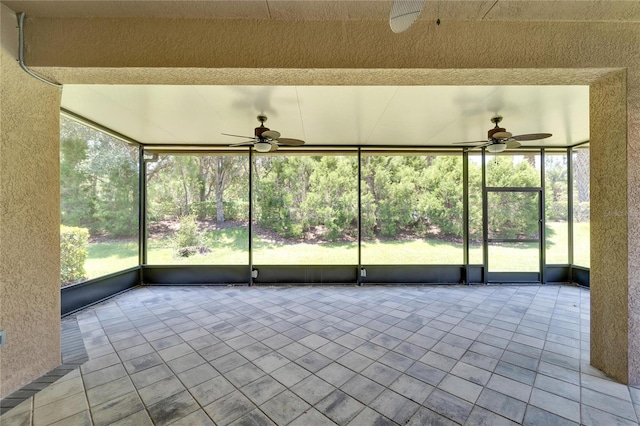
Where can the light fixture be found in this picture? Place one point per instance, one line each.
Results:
(497, 147)
(262, 146)
(404, 13)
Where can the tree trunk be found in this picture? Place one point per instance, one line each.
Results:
(202, 182)
(219, 208)
(581, 174)
(220, 189)
(531, 159)
(185, 212)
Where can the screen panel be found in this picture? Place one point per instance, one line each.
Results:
(99, 201)
(198, 209)
(305, 209)
(412, 209)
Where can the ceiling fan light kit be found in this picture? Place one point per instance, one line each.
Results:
(496, 147)
(262, 146)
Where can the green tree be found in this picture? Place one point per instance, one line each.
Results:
(77, 188)
(512, 214)
(332, 199)
(99, 181)
(391, 185)
(115, 168)
(556, 184)
(209, 186)
(442, 200)
(281, 187)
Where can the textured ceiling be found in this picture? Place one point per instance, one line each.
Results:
(334, 115)
(498, 10)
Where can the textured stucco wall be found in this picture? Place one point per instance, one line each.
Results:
(201, 43)
(633, 220)
(199, 51)
(609, 242)
(29, 223)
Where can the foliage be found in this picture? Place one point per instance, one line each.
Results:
(512, 214)
(581, 176)
(73, 254)
(116, 167)
(188, 234)
(581, 211)
(332, 199)
(99, 181)
(392, 183)
(557, 211)
(443, 200)
(556, 184)
(581, 193)
(209, 186)
(77, 194)
(305, 197)
(281, 187)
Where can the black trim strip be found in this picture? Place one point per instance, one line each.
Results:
(81, 295)
(196, 274)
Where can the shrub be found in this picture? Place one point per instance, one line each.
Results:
(557, 211)
(188, 234)
(191, 251)
(236, 210)
(73, 254)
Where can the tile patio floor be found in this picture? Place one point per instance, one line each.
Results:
(434, 355)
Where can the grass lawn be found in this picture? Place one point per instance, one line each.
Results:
(230, 247)
(581, 245)
(107, 257)
(411, 252)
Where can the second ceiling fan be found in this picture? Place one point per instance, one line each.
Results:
(265, 139)
(499, 139)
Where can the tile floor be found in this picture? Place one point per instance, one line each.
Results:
(435, 355)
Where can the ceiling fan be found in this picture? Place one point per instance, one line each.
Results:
(499, 139)
(265, 139)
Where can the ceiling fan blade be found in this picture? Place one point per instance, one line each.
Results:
(274, 147)
(531, 137)
(501, 135)
(472, 142)
(238, 136)
(270, 134)
(290, 142)
(243, 143)
(511, 144)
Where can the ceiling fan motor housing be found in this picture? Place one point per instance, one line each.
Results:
(495, 130)
(260, 130)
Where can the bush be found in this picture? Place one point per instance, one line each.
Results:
(188, 234)
(557, 211)
(203, 209)
(192, 251)
(236, 210)
(73, 254)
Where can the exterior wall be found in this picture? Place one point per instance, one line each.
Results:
(199, 51)
(633, 211)
(29, 224)
(609, 243)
